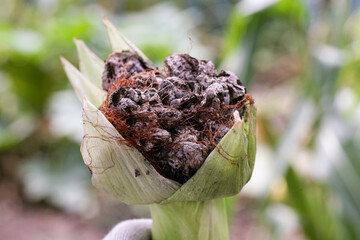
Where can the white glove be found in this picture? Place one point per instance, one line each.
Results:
(135, 229)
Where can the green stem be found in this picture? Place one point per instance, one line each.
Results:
(204, 220)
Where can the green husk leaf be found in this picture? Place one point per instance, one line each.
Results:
(90, 65)
(204, 220)
(228, 167)
(118, 168)
(83, 87)
(120, 43)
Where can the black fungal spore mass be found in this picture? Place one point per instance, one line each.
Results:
(175, 116)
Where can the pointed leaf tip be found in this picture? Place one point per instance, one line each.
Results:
(120, 43)
(82, 86)
(90, 65)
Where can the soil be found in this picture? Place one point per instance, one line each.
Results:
(24, 221)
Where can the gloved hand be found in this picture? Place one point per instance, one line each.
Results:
(134, 229)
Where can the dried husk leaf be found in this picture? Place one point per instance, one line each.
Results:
(117, 168)
(120, 43)
(83, 87)
(228, 167)
(90, 65)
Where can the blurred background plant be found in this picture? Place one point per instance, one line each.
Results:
(299, 59)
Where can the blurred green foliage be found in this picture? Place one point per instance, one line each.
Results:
(299, 59)
(323, 38)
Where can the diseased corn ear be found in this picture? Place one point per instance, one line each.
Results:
(118, 168)
(90, 65)
(228, 167)
(123, 171)
(120, 43)
(83, 87)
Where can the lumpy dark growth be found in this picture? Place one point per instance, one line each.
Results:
(124, 64)
(176, 116)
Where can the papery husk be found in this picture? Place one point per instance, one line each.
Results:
(123, 171)
(118, 168)
(90, 65)
(83, 87)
